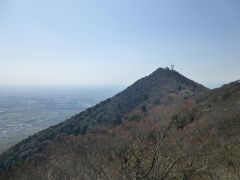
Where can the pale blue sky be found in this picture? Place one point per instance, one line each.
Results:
(113, 42)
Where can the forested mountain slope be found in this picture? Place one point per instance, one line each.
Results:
(146, 93)
(164, 126)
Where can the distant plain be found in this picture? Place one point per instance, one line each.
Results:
(25, 111)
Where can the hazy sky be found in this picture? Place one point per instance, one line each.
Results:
(111, 42)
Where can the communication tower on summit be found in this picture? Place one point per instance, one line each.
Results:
(172, 67)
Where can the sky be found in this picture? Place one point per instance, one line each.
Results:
(116, 42)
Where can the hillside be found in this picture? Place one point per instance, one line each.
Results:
(146, 93)
(164, 126)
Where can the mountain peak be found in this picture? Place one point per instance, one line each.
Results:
(167, 73)
(163, 78)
